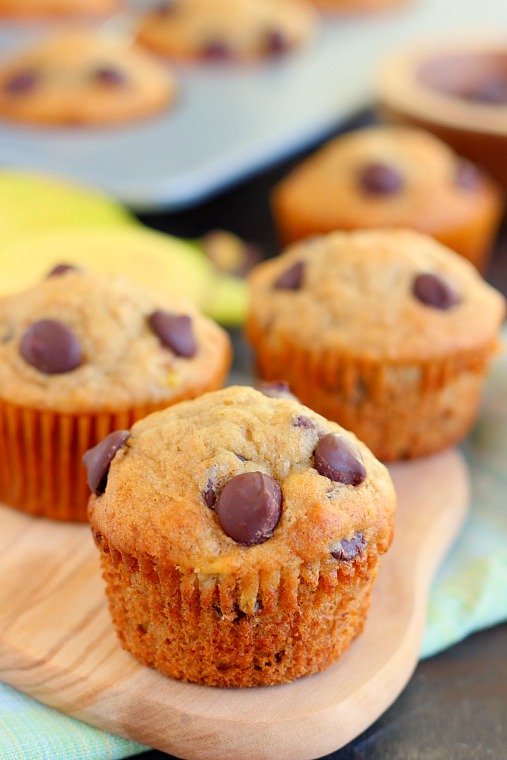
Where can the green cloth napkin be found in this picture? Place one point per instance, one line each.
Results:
(468, 594)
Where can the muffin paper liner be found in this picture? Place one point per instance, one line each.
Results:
(250, 629)
(41, 471)
(399, 410)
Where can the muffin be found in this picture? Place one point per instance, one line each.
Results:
(390, 177)
(227, 30)
(353, 6)
(385, 331)
(82, 78)
(81, 355)
(37, 9)
(239, 536)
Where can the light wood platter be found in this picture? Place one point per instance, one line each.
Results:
(58, 645)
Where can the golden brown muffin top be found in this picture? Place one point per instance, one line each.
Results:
(386, 176)
(166, 486)
(83, 78)
(48, 8)
(227, 30)
(369, 294)
(100, 350)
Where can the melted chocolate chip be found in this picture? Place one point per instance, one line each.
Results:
(277, 389)
(468, 176)
(433, 290)
(304, 422)
(249, 508)
(276, 42)
(491, 92)
(292, 278)
(21, 83)
(335, 459)
(216, 50)
(51, 347)
(209, 495)
(175, 331)
(98, 459)
(165, 8)
(62, 269)
(109, 76)
(380, 179)
(348, 549)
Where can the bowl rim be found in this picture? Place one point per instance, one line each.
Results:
(398, 86)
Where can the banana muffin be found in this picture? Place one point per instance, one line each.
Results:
(385, 331)
(42, 9)
(81, 355)
(83, 78)
(391, 177)
(240, 537)
(227, 30)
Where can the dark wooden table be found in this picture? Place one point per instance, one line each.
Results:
(455, 706)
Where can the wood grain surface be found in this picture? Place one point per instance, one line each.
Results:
(58, 645)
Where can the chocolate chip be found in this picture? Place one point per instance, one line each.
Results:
(292, 278)
(241, 458)
(216, 50)
(62, 269)
(51, 347)
(209, 495)
(249, 508)
(433, 290)
(492, 92)
(380, 179)
(21, 83)
(304, 422)
(175, 331)
(348, 549)
(276, 42)
(165, 8)
(98, 459)
(468, 176)
(277, 389)
(335, 459)
(109, 76)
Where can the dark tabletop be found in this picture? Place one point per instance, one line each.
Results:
(455, 705)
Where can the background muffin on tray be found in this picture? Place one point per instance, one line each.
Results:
(390, 177)
(82, 78)
(385, 331)
(38, 9)
(240, 537)
(227, 30)
(82, 355)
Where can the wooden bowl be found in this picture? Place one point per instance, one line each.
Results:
(458, 91)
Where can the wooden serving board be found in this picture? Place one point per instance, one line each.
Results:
(58, 645)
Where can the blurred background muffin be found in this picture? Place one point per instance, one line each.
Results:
(387, 176)
(227, 30)
(82, 78)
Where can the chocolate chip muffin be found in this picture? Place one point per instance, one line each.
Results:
(391, 177)
(82, 78)
(81, 355)
(227, 31)
(240, 537)
(38, 9)
(354, 6)
(385, 331)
